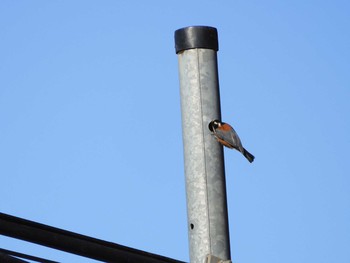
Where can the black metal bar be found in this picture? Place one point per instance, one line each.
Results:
(25, 256)
(4, 258)
(75, 243)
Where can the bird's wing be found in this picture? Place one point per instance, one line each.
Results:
(229, 137)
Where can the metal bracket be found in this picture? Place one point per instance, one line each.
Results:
(213, 259)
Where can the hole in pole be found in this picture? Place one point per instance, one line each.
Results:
(191, 226)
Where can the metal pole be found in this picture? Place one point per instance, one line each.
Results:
(197, 48)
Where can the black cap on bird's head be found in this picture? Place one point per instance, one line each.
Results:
(213, 125)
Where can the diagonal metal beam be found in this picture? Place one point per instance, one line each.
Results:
(25, 256)
(5, 258)
(75, 243)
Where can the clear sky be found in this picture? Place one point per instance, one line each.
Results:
(90, 123)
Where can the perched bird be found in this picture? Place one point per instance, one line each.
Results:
(228, 137)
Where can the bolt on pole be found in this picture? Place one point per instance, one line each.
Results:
(208, 228)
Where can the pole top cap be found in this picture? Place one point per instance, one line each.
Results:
(196, 37)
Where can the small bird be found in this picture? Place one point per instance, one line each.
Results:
(228, 137)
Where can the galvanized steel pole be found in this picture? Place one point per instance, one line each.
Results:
(197, 48)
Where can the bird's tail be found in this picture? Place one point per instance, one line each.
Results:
(248, 155)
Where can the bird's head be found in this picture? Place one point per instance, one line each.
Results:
(213, 125)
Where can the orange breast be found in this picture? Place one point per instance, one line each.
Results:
(225, 143)
(225, 127)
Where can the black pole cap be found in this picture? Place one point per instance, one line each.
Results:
(196, 37)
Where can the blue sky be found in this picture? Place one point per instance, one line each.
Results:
(86, 85)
